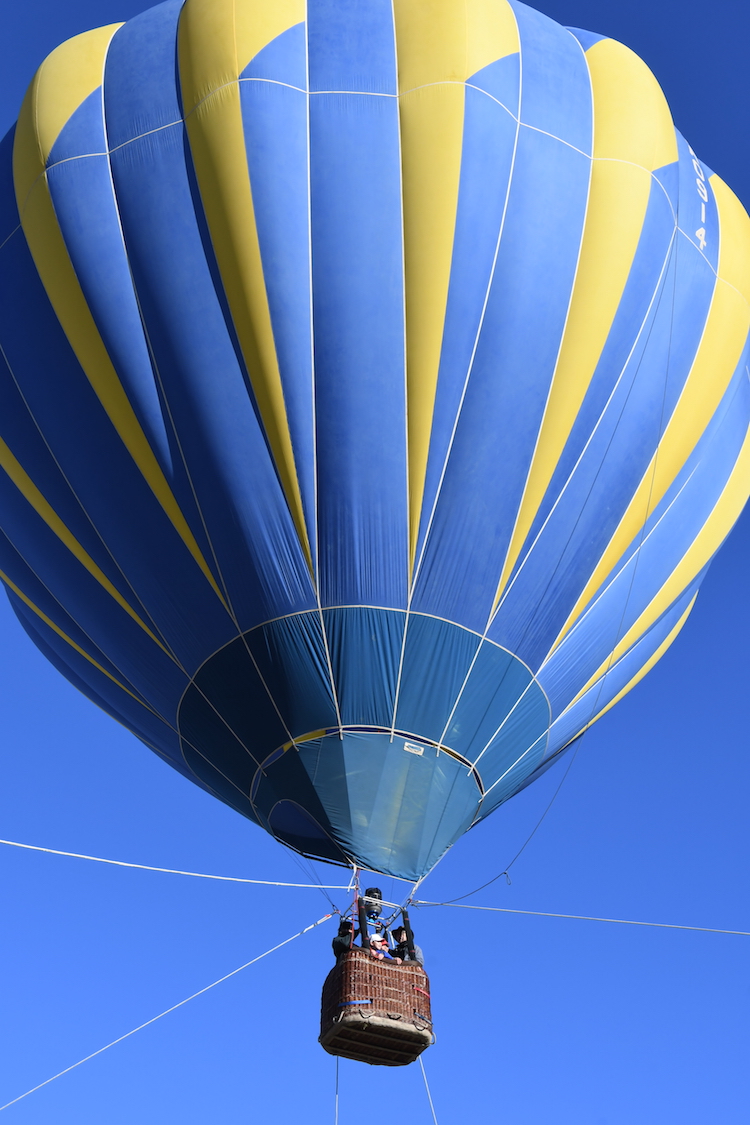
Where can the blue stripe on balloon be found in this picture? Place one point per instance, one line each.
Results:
(284, 59)
(510, 378)
(359, 349)
(572, 722)
(585, 502)
(246, 518)
(351, 46)
(556, 85)
(275, 126)
(486, 164)
(653, 556)
(80, 184)
(437, 657)
(365, 645)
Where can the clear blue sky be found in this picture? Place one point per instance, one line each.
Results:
(539, 1020)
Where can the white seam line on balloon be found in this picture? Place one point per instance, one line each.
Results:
(657, 289)
(558, 639)
(574, 282)
(245, 642)
(545, 734)
(596, 685)
(521, 564)
(316, 581)
(492, 738)
(86, 515)
(621, 566)
(126, 257)
(314, 532)
(228, 602)
(464, 390)
(397, 691)
(488, 289)
(138, 694)
(152, 624)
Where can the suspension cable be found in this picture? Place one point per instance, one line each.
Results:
(171, 871)
(585, 918)
(164, 1013)
(427, 1088)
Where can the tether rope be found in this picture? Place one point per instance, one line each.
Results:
(173, 871)
(164, 1013)
(586, 918)
(427, 1088)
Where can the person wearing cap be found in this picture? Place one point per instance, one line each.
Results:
(379, 948)
(402, 950)
(344, 939)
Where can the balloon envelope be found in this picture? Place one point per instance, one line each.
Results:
(374, 398)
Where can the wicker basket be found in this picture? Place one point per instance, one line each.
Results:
(376, 1012)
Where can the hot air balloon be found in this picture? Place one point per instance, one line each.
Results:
(374, 397)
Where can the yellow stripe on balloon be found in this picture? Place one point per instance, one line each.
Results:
(721, 347)
(68, 640)
(217, 39)
(633, 136)
(63, 82)
(44, 509)
(439, 45)
(643, 671)
(704, 546)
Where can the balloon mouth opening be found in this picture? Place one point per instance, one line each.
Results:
(389, 798)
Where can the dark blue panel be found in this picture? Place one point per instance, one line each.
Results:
(275, 124)
(496, 683)
(290, 656)
(284, 59)
(488, 151)
(436, 658)
(352, 45)
(507, 390)
(359, 350)
(516, 749)
(365, 648)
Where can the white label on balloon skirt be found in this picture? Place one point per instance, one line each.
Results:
(412, 748)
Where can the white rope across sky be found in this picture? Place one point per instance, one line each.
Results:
(172, 871)
(586, 918)
(164, 1013)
